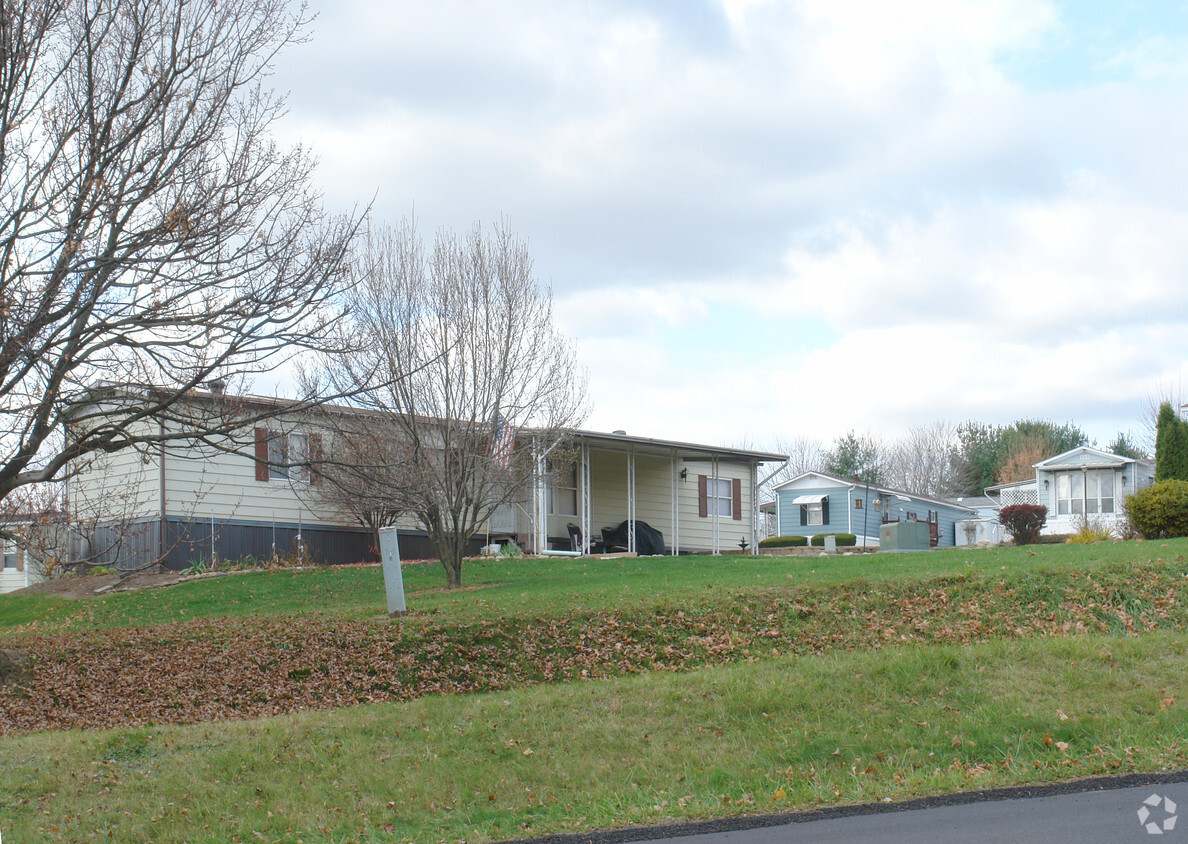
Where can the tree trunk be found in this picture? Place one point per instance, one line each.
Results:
(450, 549)
(453, 569)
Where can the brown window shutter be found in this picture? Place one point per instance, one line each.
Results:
(315, 458)
(261, 454)
(737, 496)
(702, 496)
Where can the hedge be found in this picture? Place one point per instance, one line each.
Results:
(1161, 510)
(784, 542)
(843, 540)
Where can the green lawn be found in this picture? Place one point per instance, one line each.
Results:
(779, 734)
(520, 587)
(800, 682)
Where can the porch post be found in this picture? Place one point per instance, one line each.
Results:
(754, 508)
(631, 500)
(585, 502)
(674, 503)
(539, 529)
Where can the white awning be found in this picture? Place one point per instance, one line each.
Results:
(809, 499)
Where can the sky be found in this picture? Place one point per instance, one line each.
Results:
(764, 220)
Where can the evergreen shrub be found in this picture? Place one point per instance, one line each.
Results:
(1161, 510)
(784, 542)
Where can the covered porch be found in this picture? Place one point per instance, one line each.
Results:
(700, 499)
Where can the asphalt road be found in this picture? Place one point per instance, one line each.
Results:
(1088, 818)
(1103, 809)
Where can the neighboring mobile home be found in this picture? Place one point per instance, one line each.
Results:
(817, 502)
(181, 505)
(17, 571)
(1082, 484)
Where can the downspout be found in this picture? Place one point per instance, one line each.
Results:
(760, 485)
(163, 543)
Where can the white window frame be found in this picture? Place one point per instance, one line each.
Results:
(719, 495)
(1079, 493)
(563, 483)
(815, 514)
(1095, 504)
(285, 450)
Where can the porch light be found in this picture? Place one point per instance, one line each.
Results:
(1046, 483)
(684, 474)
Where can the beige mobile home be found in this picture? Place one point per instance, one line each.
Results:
(231, 498)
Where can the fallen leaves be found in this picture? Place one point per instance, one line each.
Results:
(211, 669)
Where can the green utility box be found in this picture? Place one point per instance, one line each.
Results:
(904, 536)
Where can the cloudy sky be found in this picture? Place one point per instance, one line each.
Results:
(768, 219)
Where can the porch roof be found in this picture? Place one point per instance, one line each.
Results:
(651, 445)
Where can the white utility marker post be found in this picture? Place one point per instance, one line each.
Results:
(393, 579)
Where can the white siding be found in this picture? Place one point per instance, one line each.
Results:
(205, 483)
(115, 487)
(16, 578)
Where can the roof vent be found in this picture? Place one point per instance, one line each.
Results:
(619, 433)
(217, 386)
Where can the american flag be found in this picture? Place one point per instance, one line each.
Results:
(503, 437)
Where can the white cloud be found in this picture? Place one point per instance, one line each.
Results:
(687, 172)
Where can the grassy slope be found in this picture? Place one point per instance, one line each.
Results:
(903, 721)
(540, 587)
(781, 734)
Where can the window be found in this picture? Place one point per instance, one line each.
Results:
(1070, 494)
(1099, 492)
(563, 489)
(857, 503)
(1085, 493)
(719, 497)
(911, 517)
(10, 561)
(814, 510)
(282, 456)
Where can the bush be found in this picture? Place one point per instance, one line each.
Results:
(1090, 530)
(1024, 522)
(509, 549)
(784, 542)
(1160, 511)
(843, 540)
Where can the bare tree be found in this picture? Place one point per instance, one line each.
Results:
(1019, 464)
(457, 357)
(361, 472)
(926, 460)
(151, 232)
(1149, 414)
(804, 455)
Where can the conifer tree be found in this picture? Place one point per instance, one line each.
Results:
(1171, 445)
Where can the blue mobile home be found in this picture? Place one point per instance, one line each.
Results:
(817, 502)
